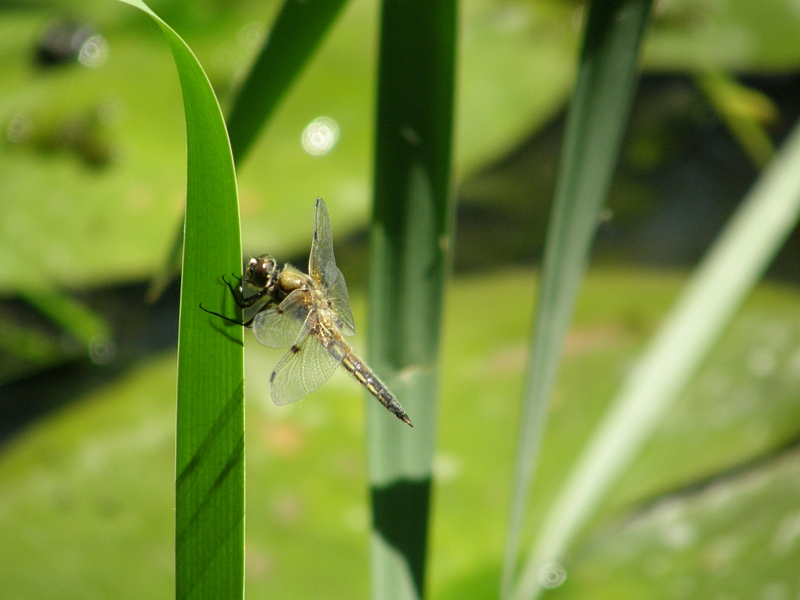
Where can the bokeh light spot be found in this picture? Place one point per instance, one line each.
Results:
(94, 52)
(320, 136)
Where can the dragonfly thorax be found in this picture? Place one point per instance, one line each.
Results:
(291, 279)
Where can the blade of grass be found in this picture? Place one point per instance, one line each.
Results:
(746, 112)
(29, 351)
(295, 35)
(595, 125)
(293, 38)
(70, 314)
(730, 270)
(410, 237)
(209, 495)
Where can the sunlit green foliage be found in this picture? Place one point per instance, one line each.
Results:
(96, 181)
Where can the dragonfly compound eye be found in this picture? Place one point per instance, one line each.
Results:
(261, 271)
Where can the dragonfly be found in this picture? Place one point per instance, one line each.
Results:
(308, 313)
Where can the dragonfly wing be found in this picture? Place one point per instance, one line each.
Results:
(340, 301)
(323, 270)
(321, 245)
(281, 325)
(305, 367)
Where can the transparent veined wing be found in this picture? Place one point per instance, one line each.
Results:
(305, 367)
(323, 270)
(281, 325)
(336, 293)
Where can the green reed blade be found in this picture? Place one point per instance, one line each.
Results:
(73, 316)
(410, 238)
(745, 111)
(209, 511)
(596, 122)
(730, 270)
(293, 38)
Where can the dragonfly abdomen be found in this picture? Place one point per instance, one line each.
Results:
(376, 387)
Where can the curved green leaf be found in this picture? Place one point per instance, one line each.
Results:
(209, 512)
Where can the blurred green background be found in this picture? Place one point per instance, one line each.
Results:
(92, 176)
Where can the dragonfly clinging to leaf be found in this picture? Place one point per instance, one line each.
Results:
(311, 315)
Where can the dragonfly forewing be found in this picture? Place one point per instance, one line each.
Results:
(324, 272)
(321, 244)
(340, 302)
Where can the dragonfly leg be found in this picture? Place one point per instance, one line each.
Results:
(241, 300)
(216, 314)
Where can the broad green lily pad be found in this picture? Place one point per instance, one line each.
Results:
(86, 495)
(92, 168)
(735, 537)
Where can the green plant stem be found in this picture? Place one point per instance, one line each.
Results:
(720, 284)
(410, 238)
(595, 125)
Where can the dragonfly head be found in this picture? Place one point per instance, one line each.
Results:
(262, 272)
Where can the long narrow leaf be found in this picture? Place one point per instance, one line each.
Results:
(595, 125)
(732, 267)
(295, 35)
(70, 314)
(744, 110)
(297, 32)
(209, 511)
(410, 236)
